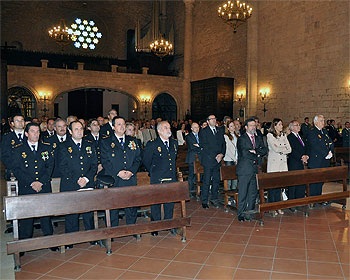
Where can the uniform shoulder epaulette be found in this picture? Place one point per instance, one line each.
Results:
(6, 133)
(88, 140)
(15, 146)
(152, 140)
(105, 136)
(45, 143)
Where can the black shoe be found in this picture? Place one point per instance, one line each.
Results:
(324, 203)
(240, 219)
(154, 233)
(173, 231)
(137, 236)
(248, 218)
(69, 247)
(21, 254)
(205, 206)
(93, 242)
(293, 210)
(54, 249)
(215, 203)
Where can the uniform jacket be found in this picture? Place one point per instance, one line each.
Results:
(106, 130)
(298, 150)
(279, 148)
(115, 158)
(159, 161)
(29, 167)
(346, 137)
(55, 143)
(192, 149)
(247, 161)
(74, 164)
(212, 145)
(97, 144)
(318, 146)
(9, 141)
(44, 135)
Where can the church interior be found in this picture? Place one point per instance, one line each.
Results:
(177, 60)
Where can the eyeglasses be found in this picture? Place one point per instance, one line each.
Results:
(211, 119)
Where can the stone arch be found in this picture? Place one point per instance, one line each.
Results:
(21, 100)
(224, 69)
(164, 106)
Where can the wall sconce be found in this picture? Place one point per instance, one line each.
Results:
(264, 93)
(145, 101)
(44, 97)
(240, 94)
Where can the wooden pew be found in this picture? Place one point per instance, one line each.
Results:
(198, 170)
(229, 173)
(341, 155)
(42, 205)
(181, 165)
(266, 181)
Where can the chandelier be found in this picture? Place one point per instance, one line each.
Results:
(161, 47)
(235, 13)
(60, 34)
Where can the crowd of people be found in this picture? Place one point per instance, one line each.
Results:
(77, 150)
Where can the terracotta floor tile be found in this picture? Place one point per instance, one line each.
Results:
(291, 234)
(134, 249)
(282, 276)
(182, 269)
(133, 275)
(207, 236)
(233, 229)
(190, 256)
(320, 245)
(235, 238)
(200, 245)
(291, 243)
(346, 270)
(325, 269)
(322, 256)
(84, 245)
(317, 228)
(215, 273)
(149, 265)
(344, 257)
(290, 253)
(162, 253)
(171, 243)
(219, 259)
(167, 277)
(70, 270)
(292, 226)
(26, 275)
(201, 220)
(318, 277)
(214, 228)
(221, 221)
(41, 265)
(102, 272)
(267, 232)
(66, 256)
(322, 236)
(291, 266)
(118, 261)
(261, 240)
(229, 248)
(251, 274)
(256, 263)
(259, 251)
(89, 257)
(48, 277)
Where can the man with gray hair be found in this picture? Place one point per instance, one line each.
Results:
(320, 149)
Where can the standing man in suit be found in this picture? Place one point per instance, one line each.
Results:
(213, 151)
(108, 129)
(95, 137)
(159, 159)
(148, 133)
(193, 146)
(296, 159)
(250, 148)
(78, 166)
(320, 149)
(346, 135)
(32, 163)
(121, 158)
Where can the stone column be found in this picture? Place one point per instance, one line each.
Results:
(44, 63)
(189, 4)
(252, 64)
(145, 70)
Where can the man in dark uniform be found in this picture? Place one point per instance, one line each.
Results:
(305, 127)
(121, 157)
(250, 149)
(32, 164)
(320, 149)
(50, 131)
(78, 166)
(159, 158)
(213, 150)
(108, 128)
(10, 140)
(346, 135)
(192, 140)
(95, 137)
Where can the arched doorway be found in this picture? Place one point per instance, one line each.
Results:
(164, 106)
(21, 101)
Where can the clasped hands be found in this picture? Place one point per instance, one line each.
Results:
(125, 175)
(37, 186)
(219, 157)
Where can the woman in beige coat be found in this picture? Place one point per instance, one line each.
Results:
(279, 148)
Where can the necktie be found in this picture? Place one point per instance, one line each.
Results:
(214, 131)
(61, 139)
(253, 141)
(20, 136)
(196, 135)
(150, 134)
(166, 144)
(121, 142)
(78, 144)
(96, 138)
(33, 149)
(301, 141)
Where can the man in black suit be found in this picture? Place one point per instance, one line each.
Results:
(346, 135)
(192, 140)
(78, 166)
(32, 163)
(159, 158)
(121, 158)
(95, 137)
(296, 159)
(320, 149)
(108, 129)
(250, 148)
(213, 150)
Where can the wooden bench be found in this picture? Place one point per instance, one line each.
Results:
(229, 173)
(42, 205)
(198, 170)
(341, 155)
(181, 165)
(266, 181)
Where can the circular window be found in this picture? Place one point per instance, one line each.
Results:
(85, 34)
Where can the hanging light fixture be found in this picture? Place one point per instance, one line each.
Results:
(60, 34)
(161, 47)
(235, 13)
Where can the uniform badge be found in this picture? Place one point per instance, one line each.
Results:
(175, 148)
(88, 150)
(24, 155)
(159, 149)
(112, 145)
(319, 136)
(45, 155)
(70, 149)
(113, 155)
(13, 142)
(107, 132)
(132, 145)
(54, 145)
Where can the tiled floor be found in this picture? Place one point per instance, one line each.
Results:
(217, 247)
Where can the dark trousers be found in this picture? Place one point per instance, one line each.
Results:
(247, 193)
(316, 189)
(156, 211)
(274, 195)
(72, 222)
(26, 227)
(210, 174)
(130, 216)
(191, 177)
(296, 192)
